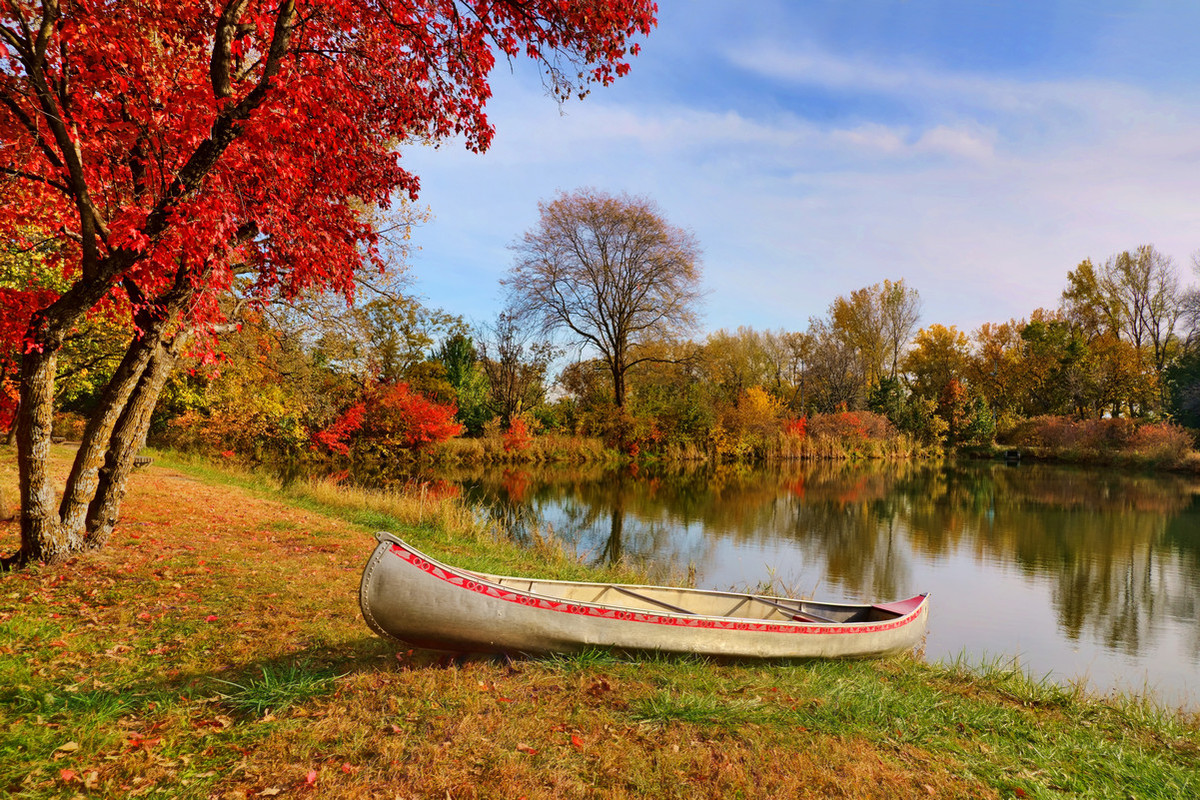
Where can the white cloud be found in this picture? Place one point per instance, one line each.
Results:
(976, 145)
(982, 201)
(873, 137)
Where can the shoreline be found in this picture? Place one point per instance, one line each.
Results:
(215, 649)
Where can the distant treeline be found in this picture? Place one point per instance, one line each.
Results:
(387, 377)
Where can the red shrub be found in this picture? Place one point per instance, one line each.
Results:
(796, 427)
(336, 437)
(1162, 441)
(850, 426)
(516, 438)
(396, 417)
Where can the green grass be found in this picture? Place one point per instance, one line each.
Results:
(275, 689)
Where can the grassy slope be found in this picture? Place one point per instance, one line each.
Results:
(215, 649)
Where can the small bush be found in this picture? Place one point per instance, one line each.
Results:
(69, 426)
(853, 426)
(517, 437)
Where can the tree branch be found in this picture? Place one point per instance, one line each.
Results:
(222, 53)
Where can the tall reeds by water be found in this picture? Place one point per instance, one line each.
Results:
(843, 436)
(546, 448)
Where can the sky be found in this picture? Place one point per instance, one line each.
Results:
(976, 149)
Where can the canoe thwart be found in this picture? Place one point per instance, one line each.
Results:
(630, 593)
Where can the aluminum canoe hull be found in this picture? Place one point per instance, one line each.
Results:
(408, 596)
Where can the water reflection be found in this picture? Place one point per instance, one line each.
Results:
(1112, 559)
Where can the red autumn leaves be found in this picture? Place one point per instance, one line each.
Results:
(390, 417)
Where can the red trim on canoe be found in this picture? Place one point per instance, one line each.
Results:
(628, 615)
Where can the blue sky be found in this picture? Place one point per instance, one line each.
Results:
(978, 150)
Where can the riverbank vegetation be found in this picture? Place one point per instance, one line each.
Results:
(215, 649)
(390, 379)
(272, 399)
(1109, 376)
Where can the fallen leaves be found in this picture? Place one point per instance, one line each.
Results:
(89, 780)
(69, 747)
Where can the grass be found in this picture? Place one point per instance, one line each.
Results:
(276, 688)
(215, 650)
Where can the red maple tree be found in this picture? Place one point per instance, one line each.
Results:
(168, 146)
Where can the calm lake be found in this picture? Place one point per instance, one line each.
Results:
(1080, 574)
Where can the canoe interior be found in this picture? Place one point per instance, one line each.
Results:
(700, 602)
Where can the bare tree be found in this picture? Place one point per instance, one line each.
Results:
(901, 310)
(515, 365)
(1144, 289)
(611, 273)
(834, 369)
(1191, 308)
(789, 353)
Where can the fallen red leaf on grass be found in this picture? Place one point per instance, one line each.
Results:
(576, 742)
(524, 748)
(311, 778)
(67, 775)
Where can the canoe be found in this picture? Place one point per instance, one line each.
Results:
(409, 596)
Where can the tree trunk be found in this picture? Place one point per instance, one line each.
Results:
(618, 376)
(82, 483)
(88, 510)
(614, 548)
(42, 534)
(128, 436)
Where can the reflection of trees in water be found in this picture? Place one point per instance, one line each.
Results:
(1122, 551)
(1183, 536)
(862, 549)
(1099, 535)
(626, 517)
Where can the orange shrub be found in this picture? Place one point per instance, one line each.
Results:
(1162, 442)
(516, 438)
(850, 426)
(1159, 441)
(399, 418)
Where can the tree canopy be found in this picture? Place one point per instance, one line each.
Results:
(167, 147)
